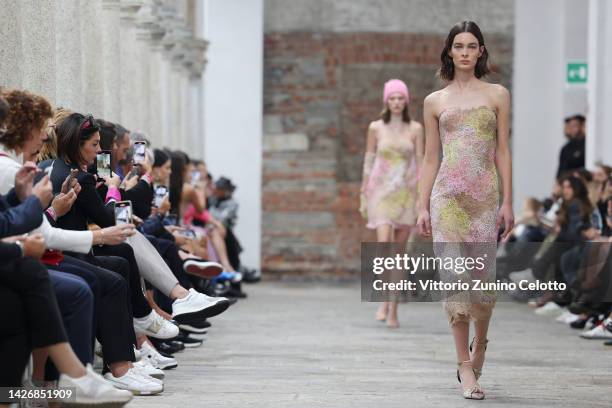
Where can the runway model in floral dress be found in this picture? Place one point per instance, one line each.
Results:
(465, 200)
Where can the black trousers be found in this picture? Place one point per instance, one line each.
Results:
(139, 304)
(113, 324)
(30, 318)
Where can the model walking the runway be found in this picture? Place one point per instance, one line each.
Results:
(459, 201)
(393, 156)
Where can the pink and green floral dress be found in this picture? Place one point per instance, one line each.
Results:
(464, 201)
(391, 191)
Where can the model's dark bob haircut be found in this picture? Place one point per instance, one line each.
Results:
(447, 70)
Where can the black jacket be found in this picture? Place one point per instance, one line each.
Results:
(571, 156)
(88, 207)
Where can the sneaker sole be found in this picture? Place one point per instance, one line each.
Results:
(206, 272)
(136, 392)
(168, 367)
(211, 311)
(94, 404)
(193, 345)
(155, 335)
(191, 329)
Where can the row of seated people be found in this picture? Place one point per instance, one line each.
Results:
(73, 266)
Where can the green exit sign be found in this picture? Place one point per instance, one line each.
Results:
(577, 72)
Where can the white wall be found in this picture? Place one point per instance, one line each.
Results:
(233, 109)
(599, 119)
(538, 103)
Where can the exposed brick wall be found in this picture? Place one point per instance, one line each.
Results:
(324, 89)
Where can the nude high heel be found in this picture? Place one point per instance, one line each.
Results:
(475, 392)
(478, 371)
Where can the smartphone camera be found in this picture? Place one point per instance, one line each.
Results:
(123, 212)
(160, 194)
(103, 164)
(139, 151)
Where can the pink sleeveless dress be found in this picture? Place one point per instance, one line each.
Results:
(391, 191)
(464, 202)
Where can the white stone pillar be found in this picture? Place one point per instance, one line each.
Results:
(92, 27)
(38, 46)
(599, 120)
(538, 97)
(111, 59)
(68, 63)
(234, 72)
(11, 74)
(129, 65)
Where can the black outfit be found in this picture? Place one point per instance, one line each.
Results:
(112, 310)
(89, 207)
(571, 156)
(34, 319)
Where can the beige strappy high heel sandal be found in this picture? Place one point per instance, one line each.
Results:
(478, 371)
(475, 392)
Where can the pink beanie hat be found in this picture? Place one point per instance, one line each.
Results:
(395, 86)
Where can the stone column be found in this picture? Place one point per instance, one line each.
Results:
(11, 74)
(111, 59)
(151, 32)
(68, 69)
(92, 28)
(37, 46)
(129, 64)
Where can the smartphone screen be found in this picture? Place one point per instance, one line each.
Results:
(139, 152)
(160, 193)
(103, 164)
(123, 212)
(195, 177)
(188, 233)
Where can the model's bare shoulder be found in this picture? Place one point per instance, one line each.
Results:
(416, 125)
(433, 99)
(498, 91)
(375, 125)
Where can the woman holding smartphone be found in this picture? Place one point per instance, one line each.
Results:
(470, 120)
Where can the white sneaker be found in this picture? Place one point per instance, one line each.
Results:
(155, 359)
(135, 382)
(92, 389)
(600, 332)
(145, 368)
(526, 274)
(137, 355)
(567, 317)
(156, 326)
(197, 304)
(550, 309)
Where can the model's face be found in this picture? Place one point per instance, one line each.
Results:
(120, 149)
(90, 148)
(465, 51)
(396, 103)
(567, 191)
(33, 145)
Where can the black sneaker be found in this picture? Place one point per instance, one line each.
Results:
(168, 347)
(188, 341)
